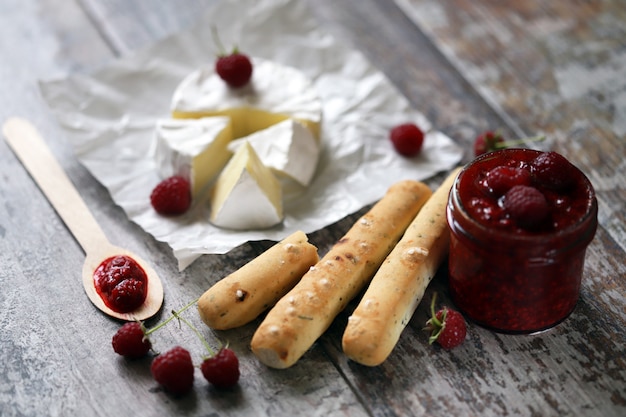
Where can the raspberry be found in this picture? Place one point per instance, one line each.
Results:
(221, 370)
(501, 179)
(552, 170)
(172, 196)
(174, 370)
(130, 341)
(526, 205)
(487, 142)
(235, 69)
(407, 139)
(447, 327)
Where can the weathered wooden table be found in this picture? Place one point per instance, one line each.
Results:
(554, 68)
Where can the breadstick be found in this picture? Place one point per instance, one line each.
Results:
(304, 313)
(396, 289)
(243, 295)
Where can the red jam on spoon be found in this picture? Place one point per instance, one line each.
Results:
(121, 283)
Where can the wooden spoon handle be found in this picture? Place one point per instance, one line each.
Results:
(35, 155)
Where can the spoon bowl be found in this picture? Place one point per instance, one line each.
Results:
(154, 296)
(39, 161)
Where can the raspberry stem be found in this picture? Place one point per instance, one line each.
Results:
(434, 318)
(509, 143)
(434, 324)
(175, 314)
(221, 51)
(196, 331)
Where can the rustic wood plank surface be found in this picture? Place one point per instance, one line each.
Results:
(552, 68)
(527, 68)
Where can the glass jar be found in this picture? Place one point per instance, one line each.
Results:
(505, 277)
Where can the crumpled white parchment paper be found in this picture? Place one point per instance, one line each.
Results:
(109, 117)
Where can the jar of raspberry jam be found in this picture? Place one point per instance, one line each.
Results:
(520, 221)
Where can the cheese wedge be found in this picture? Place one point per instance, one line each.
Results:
(275, 93)
(288, 148)
(194, 148)
(246, 194)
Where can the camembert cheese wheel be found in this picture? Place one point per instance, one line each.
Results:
(246, 194)
(195, 149)
(288, 148)
(275, 93)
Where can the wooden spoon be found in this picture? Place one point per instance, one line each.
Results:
(35, 155)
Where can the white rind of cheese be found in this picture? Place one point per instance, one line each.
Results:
(288, 148)
(196, 149)
(246, 194)
(276, 92)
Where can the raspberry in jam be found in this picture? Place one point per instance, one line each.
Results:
(121, 283)
(518, 237)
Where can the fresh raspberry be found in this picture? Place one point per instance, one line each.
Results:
(447, 327)
(172, 196)
(174, 370)
(487, 142)
(501, 179)
(235, 69)
(526, 205)
(131, 341)
(221, 370)
(407, 139)
(553, 171)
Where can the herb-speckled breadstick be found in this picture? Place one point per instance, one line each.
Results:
(243, 295)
